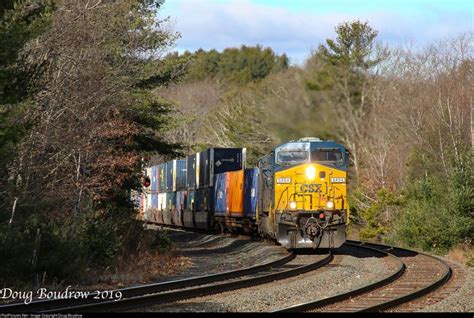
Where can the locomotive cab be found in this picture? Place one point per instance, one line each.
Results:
(304, 194)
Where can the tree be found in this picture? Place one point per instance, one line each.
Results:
(20, 22)
(233, 66)
(91, 115)
(343, 74)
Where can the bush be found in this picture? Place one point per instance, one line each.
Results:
(437, 212)
(36, 250)
(372, 214)
(39, 249)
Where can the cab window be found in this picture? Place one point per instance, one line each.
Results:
(327, 155)
(292, 157)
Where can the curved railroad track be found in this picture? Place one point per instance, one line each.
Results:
(410, 275)
(51, 304)
(178, 290)
(417, 275)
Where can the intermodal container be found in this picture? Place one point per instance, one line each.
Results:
(220, 193)
(180, 207)
(235, 193)
(250, 192)
(204, 169)
(204, 200)
(180, 175)
(191, 200)
(169, 176)
(191, 172)
(154, 200)
(162, 177)
(218, 160)
(181, 200)
(162, 201)
(171, 200)
(154, 179)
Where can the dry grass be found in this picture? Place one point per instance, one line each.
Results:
(462, 253)
(145, 267)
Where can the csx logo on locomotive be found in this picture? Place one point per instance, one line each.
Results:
(310, 188)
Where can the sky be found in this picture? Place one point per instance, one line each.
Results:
(296, 27)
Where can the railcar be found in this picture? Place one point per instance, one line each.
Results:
(297, 194)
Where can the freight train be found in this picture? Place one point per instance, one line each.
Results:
(297, 194)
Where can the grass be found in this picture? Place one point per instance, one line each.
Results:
(463, 253)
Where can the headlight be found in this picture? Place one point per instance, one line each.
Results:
(310, 172)
(329, 205)
(292, 205)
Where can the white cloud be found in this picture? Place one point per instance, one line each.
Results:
(208, 24)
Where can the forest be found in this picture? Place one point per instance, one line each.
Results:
(86, 95)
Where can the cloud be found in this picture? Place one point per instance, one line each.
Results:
(210, 24)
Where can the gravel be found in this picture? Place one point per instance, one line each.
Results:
(462, 300)
(350, 271)
(210, 254)
(217, 253)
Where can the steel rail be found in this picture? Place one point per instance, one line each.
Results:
(174, 295)
(446, 274)
(307, 306)
(50, 304)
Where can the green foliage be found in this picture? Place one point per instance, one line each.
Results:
(233, 65)
(20, 22)
(153, 115)
(437, 212)
(353, 46)
(372, 213)
(237, 122)
(34, 247)
(160, 241)
(343, 64)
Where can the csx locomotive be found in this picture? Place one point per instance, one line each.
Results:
(297, 194)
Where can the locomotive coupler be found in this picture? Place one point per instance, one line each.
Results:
(312, 228)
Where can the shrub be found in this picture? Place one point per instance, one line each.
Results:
(372, 214)
(437, 212)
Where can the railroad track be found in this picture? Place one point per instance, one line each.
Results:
(177, 290)
(416, 275)
(44, 305)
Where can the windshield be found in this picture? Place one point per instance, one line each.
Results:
(331, 155)
(292, 157)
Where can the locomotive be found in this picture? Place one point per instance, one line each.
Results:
(297, 194)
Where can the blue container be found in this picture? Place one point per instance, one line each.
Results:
(154, 200)
(218, 160)
(181, 175)
(204, 169)
(169, 176)
(191, 172)
(154, 179)
(204, 200)
(220, 197)
(250, 192)
(191, 200)
(181, 200)
(171, 200)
